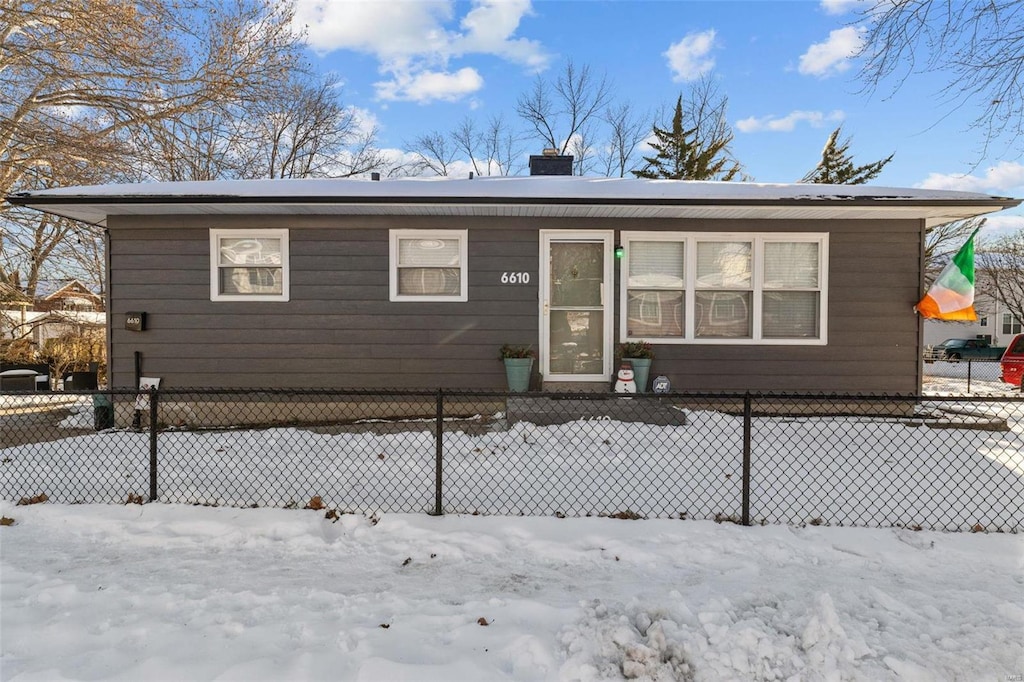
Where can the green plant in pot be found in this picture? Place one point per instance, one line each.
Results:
(518, 366)
(639, 355)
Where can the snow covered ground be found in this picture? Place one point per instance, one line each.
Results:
(804, 469)
(168, 592)
(175, 592)
(950, 378)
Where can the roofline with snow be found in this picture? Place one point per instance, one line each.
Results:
(28, 199)
(592, 197)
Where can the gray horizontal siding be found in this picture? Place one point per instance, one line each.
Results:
(339, 329)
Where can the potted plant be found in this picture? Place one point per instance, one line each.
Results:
(638, 354)
(518, 366)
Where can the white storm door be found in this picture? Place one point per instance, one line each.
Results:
(577, 276)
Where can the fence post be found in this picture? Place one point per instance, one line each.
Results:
(747, 418)
(152, 443)
(968, 375)
(438, 453)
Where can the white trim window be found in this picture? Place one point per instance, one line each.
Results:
(249, 265)
(429, 265)
(681, 287)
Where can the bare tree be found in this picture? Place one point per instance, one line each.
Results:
(434, 152)
(560, 110)
(627, 130)
(468, 140)
(941, 243)
(584, 150)
(1002, 263)
(201, 144)
(502, 147)
(305, 131)
(121, 64)
(83, 82)
(977, 44)
(493, 150)
(36, 246)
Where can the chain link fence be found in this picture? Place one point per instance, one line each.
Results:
(851, 460)
(973, 376)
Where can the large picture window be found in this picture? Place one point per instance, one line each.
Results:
(724, 288)
(248, 265)
(428, 265)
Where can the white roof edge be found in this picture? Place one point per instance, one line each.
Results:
(495, 189)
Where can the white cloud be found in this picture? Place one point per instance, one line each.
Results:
(787, 123)
(414, 41)
(364, 120)
(1003, 225)
(389, 30)
(490, 26)
(688, 59)
(833, 55)
(408, 163)
(839, 6)
(1004, 177)
(427, 86)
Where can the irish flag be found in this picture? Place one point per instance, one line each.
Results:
(951, 296)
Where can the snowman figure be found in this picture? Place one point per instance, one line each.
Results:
(624, 380)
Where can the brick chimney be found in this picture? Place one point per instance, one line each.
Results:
(550, 163)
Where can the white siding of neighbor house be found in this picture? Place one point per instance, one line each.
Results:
(989, 323)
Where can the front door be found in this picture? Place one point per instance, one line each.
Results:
(576, 314)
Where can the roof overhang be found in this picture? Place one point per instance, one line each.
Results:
(514, 197)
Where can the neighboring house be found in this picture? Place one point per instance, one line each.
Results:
(994, 323)
(40, 327)
(59, 309)
(11, 295)
(67, 295)
(418, 282)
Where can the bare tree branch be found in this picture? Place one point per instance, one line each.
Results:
(977, 44)
(627, 130)
(1002, 265)
(560, 110)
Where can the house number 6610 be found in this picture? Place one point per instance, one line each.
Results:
(515, 278)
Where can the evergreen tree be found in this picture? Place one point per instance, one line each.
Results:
(682, 156)
(836, 165)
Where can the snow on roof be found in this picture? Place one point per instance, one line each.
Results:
(533, 187)
(85, 317)
(535, 196)
(45, 288)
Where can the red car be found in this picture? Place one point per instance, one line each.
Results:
(1013, 361)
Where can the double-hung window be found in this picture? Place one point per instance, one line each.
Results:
(1011, 325)
(724, 288)
(429, 265)
(655, 289)
(248, 265)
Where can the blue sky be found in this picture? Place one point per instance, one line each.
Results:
(416, 66)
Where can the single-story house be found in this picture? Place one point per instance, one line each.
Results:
(416, 283)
